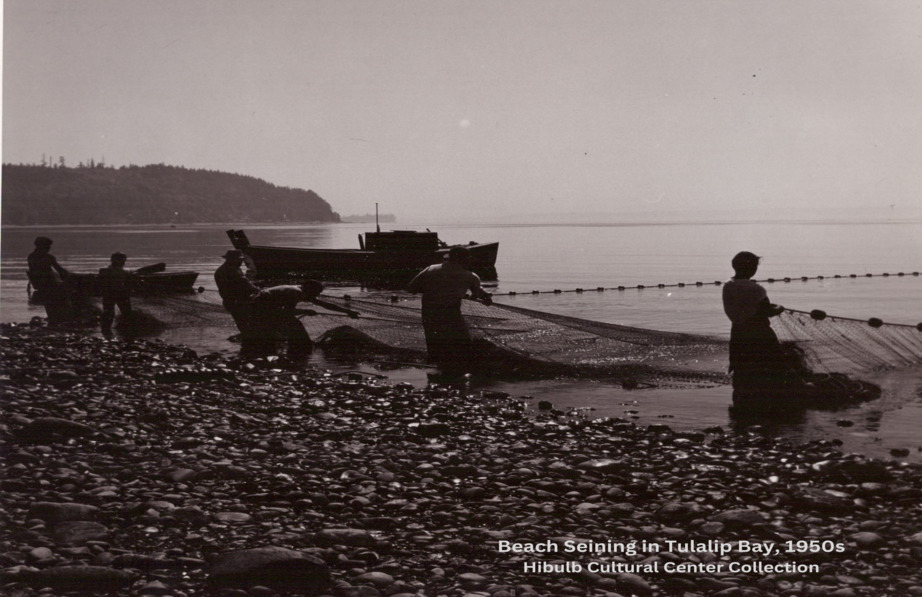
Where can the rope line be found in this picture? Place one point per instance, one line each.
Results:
(699, 283)
(873, 321)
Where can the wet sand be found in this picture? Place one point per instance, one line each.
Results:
(138, 468)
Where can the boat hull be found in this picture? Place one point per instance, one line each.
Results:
(141, 284)
(357, 263)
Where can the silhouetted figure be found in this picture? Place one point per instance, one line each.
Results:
(757, 362)
(443, 287)
(48, 279)
(277, 316)
(236, 290)
(115, 287)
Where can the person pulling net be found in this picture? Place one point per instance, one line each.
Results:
(771, 377)
(268, 316)
(509, 340)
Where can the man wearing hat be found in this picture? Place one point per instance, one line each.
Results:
(115, 286)
(236, 290)
(443, 286)
(756, 359)
(47, 278)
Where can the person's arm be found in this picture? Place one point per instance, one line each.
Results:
(769, 309)
(57, 267)
(251, 289)
(478, 293)
(417, 284)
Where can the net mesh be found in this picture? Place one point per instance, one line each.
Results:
(843, 345)
(537, 343)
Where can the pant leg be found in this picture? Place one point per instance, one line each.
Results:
(108, 315)
(58, 308)
(292, 330)
(447, 338)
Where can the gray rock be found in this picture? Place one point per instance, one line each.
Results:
(678, 511)
(378, 579)
(275, 567)
(52, 429)
(817, 499)
(469, 579)
(353, 537)
(867, 540)
(634, 584)
(232, 516)
(80, 578)
(78, 532)
(604, 465)
(53, 513)
(40, 553)
(739, 518)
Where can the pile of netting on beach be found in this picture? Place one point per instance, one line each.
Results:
(526, 343)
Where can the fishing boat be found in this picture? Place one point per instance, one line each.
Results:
(151, 280)
(380, 254)
(151, 283)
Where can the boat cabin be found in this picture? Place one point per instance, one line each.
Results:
(402, 240)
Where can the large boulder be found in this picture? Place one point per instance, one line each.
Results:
(80, 578)
(53, 513)
(278, 568)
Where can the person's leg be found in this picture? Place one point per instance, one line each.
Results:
(124, 311)
(293, 331)
(454, 342)
(431, 327)
(108, 315)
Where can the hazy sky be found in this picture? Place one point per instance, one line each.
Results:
(467, 109)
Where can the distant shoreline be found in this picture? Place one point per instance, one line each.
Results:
(499, 224)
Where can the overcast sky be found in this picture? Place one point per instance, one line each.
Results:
(460, 109)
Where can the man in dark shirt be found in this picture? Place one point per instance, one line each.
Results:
(236, 290)
(115, 285)
(443, 286)
(47, 278)
(756, 358)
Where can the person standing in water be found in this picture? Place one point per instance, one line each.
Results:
(756, 358)
(443, 286)
(236, 290)
(48, 279)
(115, 285)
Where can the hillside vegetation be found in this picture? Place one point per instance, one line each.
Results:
(155, 194)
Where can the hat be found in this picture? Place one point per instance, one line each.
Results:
(233, 253)
(743, 259)
(312, 288)
(459, 255)
(119, 256)
(43, 241)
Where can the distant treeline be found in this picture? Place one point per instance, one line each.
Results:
(156, 194)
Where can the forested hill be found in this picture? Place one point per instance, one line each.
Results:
(150, 195)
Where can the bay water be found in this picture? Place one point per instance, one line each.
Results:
(587, 255)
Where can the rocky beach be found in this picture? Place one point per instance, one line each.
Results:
(142, 468)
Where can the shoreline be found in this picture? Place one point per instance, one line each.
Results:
(145, 464)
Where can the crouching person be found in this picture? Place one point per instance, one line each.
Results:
(277, 315)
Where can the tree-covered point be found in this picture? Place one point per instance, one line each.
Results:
(156, 194)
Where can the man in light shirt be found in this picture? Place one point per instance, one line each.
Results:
(443, 287)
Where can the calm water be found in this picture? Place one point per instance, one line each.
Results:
(588, 256)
